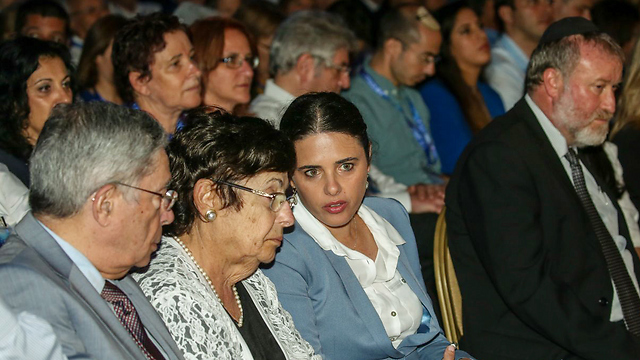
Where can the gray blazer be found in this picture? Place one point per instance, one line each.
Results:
(36, 275)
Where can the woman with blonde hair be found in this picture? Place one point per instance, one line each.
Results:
(626, 130)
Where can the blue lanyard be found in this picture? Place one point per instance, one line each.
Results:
(418, 129)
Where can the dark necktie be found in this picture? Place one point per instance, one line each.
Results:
(629, 300)
(129, 318)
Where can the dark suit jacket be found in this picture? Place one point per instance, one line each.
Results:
(534, 282)
(37, 276)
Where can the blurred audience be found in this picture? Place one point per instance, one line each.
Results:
(261, 18)
(396, 116)
(568, 8)
(521, 23)
(355, 256)
(43, 19)
(231, 174)
(154, 68)
(35, 76)
(95, 70)
(621, 20)
(460, 104)
(485, 9)
(309, 52)
(226, 56)
(289, 7)
(131, 8)
(626, 129)
(83, 14)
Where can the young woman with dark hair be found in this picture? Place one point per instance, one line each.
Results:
(460, 104)
(35, 75)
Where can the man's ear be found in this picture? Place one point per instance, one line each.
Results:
(393, 47)
(553, 83)
(305, 68)
(103, 203)
(139, 83)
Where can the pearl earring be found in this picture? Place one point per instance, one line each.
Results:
(210, 215)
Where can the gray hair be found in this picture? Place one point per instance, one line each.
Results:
(400, 25)
(317, 33)
(84, 146)
(564, 55)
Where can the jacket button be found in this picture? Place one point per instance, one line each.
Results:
(603, 301)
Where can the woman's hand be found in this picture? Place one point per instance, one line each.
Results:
(449, 352)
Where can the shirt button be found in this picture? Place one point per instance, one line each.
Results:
(403, 281)
(393, 338)
(393, 313)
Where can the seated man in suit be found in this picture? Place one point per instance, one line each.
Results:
(542, 253)
(98, 202)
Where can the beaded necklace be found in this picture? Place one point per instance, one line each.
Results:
(206, 277)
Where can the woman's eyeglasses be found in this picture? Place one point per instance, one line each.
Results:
(235, 61)
(277, 199)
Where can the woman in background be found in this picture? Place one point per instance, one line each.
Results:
(154, 70)
(95, 69)
(35, 76)
(626, 130)
(226, 57)
(460, 104)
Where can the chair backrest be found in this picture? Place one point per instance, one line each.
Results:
(446, 283)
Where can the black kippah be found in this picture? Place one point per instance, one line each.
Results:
(567, 27)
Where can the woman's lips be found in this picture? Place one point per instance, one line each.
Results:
(335, 207)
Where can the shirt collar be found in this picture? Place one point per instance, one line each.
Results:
(558, 142)
(274, 91)
(86, 267)
(380, 228)
(516, 53)
(385, 84)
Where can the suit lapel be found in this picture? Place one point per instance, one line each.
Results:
(362, 304)
(148, 315)
(551, 159)
(34, 235)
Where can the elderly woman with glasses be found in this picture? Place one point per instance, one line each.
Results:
(231, 175)
(227, 57)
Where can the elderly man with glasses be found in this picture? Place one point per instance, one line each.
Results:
(99, 199)
(309, 53)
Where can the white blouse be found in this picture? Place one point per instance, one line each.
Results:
(397, 305)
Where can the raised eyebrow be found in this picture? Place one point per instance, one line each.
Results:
(342, 161)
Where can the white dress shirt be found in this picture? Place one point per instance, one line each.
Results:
(603, 204)
(397, 305)
(14, 197)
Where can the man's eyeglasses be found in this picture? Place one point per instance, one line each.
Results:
(235, 61)
(345, 69)
(168, 199)
(277, 199)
